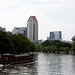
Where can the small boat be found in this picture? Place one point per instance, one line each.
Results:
(16, 58)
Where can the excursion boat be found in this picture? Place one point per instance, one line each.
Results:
(16, 58)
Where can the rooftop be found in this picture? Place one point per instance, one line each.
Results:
(32, 17)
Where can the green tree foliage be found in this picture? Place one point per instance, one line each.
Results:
(46, 43)
(45, 49)
(57, 43)
(32, 47)
(6, 44)
(73, 47)
(66, 49)
(22, 44)
(15, 43)
(56, 46)
(38, 47)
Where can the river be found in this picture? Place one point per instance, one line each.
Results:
(45, 64)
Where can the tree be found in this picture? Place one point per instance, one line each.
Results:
(6, 44)
(15, 43)
(46, 43)
(22, 43)
(54, 49)
(38, 47)
(73, 47)
(66, 49)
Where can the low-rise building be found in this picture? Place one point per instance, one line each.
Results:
(21, 30)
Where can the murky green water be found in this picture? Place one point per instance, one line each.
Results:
(45, 64)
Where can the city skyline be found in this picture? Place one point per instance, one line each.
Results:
(52, 15)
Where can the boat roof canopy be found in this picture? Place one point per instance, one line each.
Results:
(17, 55)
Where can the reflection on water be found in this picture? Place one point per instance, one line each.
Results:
(45, 64)
(49, 65)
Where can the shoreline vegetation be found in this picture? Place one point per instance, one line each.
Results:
(56, 46)
(15, 44)
(18, 43)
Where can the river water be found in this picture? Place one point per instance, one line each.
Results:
(45, 64)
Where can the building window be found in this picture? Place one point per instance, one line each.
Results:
(33, 31)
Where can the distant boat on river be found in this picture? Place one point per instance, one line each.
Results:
(16, 58)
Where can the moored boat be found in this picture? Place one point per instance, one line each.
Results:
(16, 58)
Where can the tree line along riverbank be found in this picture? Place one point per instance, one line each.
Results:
(10, 43)
(56, 46)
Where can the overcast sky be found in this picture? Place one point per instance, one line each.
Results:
(52, 15)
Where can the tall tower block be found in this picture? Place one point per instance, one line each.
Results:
(32, 29)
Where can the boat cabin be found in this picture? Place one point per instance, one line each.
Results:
(16, 58)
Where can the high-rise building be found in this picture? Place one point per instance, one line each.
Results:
(55, 35)
(32, 29)
(21, 30)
